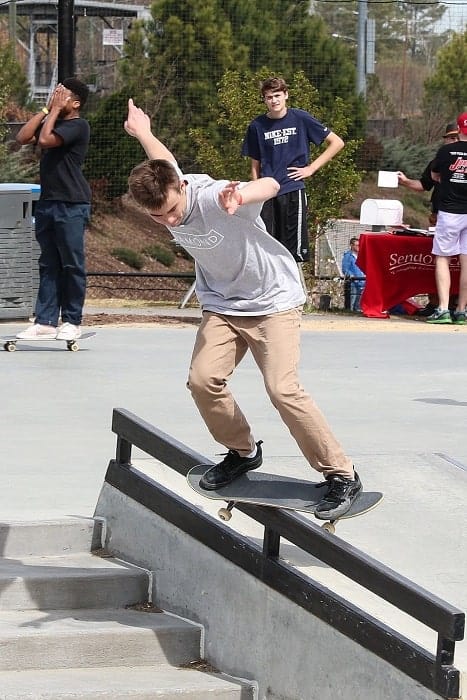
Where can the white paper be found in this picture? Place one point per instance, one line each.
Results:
(387, 178)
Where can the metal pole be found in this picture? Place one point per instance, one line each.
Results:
(361, 47)
(65, 40)
(12, 24)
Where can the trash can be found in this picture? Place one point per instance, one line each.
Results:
(35, 250)
(16, 251)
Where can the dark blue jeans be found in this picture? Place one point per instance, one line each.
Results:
(60, 228)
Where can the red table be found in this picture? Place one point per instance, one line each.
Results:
(396, 268)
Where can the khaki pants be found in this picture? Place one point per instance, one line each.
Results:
(274, 340)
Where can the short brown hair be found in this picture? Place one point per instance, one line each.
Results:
(150, 181)
(273, 83)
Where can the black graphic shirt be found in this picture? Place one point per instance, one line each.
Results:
(451, 164)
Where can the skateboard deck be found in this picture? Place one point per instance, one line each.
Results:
(276, 491)
(11, 341)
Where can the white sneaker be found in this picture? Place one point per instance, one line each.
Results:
(37, 330)
(68, 331)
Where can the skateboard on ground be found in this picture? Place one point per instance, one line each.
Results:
(10, 342)
(277, 491)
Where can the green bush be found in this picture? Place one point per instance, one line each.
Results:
(402, 154)
(129, 257)
(162, 255)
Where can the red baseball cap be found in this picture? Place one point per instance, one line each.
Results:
(462, 123)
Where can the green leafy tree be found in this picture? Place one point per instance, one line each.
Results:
(112, 153)
(283, 35)
(446, 89)
(240, 102)
(172, 65)
(13, 81)
(15, 166)
(174, 62)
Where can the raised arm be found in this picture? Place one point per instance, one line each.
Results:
(255, 191)
(334, 144)
(47, 137)
(31, 131)
(138, 125)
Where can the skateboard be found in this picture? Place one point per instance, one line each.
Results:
(275, 491)
(10, 342)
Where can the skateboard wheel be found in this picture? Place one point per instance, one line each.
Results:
(224, 514)
(74, 347)
(9, 347)
(329, 527)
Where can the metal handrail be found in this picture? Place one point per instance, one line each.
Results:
(436, 672)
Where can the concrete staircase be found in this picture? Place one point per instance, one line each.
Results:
(75, 623)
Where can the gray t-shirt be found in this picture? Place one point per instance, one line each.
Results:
(240, 268)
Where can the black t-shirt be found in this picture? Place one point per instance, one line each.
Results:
(428, 184)
(60, 168)
(451, 163)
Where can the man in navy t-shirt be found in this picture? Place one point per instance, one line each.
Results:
(278, 144)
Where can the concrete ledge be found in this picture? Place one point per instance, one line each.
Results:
(247, 624)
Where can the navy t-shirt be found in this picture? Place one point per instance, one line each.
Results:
(61, 173)
(451, 164)
(279, 144)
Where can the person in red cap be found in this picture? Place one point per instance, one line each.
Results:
(425, 184)
(449, 169)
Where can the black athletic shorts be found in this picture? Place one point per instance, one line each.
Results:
(285, 219)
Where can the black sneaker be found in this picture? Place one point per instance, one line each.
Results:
(459, 317)
(341, 494)
(232, 466)
(427, 311)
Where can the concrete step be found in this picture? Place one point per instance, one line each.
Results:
(94, 638)
(143, 683)
(70, 582)
(49, 537)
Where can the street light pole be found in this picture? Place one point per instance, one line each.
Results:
(65, 39)
(361, 47)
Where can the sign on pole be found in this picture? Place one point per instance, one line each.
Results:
(112, 37)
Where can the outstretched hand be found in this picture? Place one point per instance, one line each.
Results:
(230, 197)
(137, 121)
(401, 177)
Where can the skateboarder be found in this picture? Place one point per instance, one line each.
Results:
(250, 292)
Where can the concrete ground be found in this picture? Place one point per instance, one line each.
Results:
(395, 392)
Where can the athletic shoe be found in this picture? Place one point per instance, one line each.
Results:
(459, 318)
(69, 332)
(440, 316)
(37, 331)
(341, 494)
(426, 311)
(231, 467)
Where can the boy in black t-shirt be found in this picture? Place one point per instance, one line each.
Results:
(62, 212)
(449, 169)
